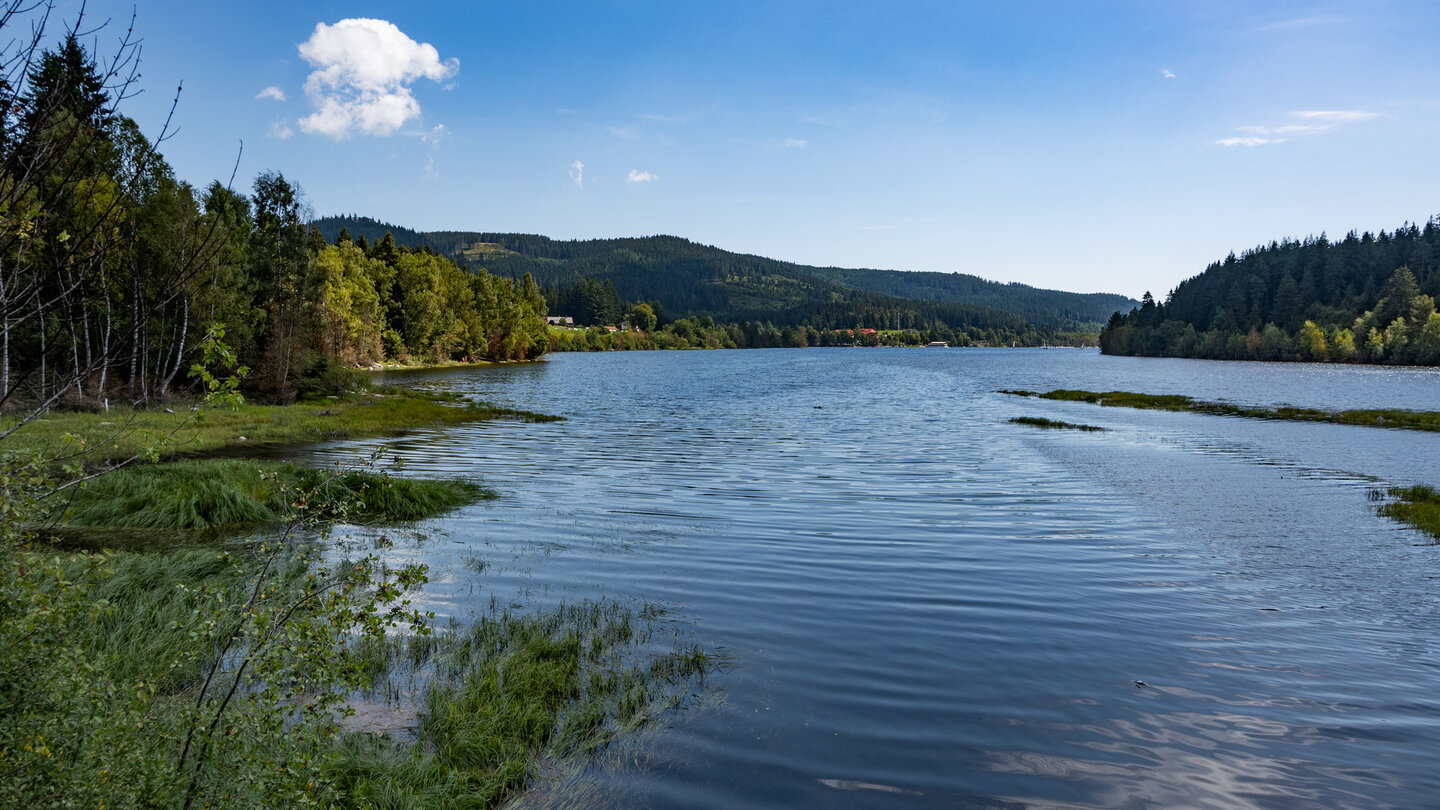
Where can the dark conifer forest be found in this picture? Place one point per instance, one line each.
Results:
(1368, 298)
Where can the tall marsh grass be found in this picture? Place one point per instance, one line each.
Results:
(1417, 506)
(237, 493)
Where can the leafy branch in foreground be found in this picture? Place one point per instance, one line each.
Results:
(284, 670)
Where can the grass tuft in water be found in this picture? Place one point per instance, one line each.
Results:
(1052, 424)
(510, 692)
(1417, 506)
(233, 493)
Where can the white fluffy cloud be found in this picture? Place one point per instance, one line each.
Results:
(577, 174)
(1167, 73)
(638, 176)
(273, 93)
(363, 71)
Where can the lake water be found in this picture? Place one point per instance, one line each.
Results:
(925, 605)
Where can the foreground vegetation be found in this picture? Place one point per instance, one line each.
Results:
(1382, 417)
(195, 672)
(102, 686)
(1417, 506)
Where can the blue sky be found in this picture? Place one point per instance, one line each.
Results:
(1115, 146)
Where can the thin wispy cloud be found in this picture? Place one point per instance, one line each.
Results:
(1303, 123)
(1336, 116)
(435, 136)
(667, 120)
(787, 143)
(1166, 73)
(363, 72)
(272, 93)
(1250, 140)
(577, 174)
(1301, 22)
(628, 133)
(638, 176)
(280, 130)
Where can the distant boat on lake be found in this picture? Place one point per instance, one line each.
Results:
(937, 344)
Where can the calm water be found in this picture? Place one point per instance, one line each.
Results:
(928, 606)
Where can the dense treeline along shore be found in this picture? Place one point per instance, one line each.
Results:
(1368, 298)
(705, 297)
(183, 629)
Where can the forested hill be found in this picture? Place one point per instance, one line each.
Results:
(691, 280)
(1036, 304)
(1366, 298)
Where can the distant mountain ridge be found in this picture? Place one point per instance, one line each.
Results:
(692, 280)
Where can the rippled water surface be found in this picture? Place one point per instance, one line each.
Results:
(928, 606)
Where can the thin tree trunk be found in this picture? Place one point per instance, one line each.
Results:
(179, 348)
(75, 360)
(105, 349)
(40, 310)
(145, 365)
(134, 325)
(89, 350)
(5, 339)
(5, 363)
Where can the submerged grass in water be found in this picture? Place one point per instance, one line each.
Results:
(1052, 424)
(513, 691)
(513, 698)
(1417, 506)
(1379, 417)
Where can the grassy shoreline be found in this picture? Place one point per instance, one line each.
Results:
(395, 365)
(95, 695)
(94, 437)
(1393, 418)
